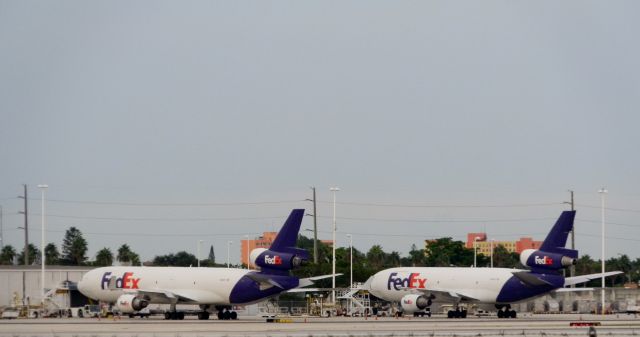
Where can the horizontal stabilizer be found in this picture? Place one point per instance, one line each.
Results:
(303, 290)
(305, 282)
(586, 278)
(350, 293)
(569, 290)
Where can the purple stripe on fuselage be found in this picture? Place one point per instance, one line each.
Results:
(515, 290)
(248, 291)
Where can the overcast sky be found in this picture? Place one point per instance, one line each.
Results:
(161, 123)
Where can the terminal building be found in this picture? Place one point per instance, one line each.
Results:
(22, 284)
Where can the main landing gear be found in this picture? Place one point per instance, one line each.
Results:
(457, 313)
(506, 312)
(224, 313)
(173, 314)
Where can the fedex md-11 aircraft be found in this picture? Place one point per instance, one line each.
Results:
(416, 288)
(134, 288)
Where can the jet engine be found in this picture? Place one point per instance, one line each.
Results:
(544, 260)
(413, 303)
(264, 258)
(129, 303)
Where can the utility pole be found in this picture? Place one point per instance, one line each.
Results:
(1, 235)
(572, 269)
(26, 226)
(315, 228)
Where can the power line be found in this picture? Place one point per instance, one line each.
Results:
(198, 204)
(158, 219)
(416, 205)
(611, 208)
(610, 223)
(347, 203)
(440, 220)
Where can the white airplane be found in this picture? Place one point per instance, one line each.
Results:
(416, 288)
(134, 288)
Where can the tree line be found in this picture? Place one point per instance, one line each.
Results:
(74, 253)
(443, 252)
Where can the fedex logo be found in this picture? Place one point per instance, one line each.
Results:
(125, 282)
(275, 260)
(413, 281)
(543, 260)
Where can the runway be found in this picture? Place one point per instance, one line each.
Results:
(535, 325)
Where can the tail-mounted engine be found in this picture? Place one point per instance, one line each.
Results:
(264, 258)
(413, 303)
(129, 303)
(538, 259)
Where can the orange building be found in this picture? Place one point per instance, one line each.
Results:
(246, 246)
(484, 246)
(263, 241)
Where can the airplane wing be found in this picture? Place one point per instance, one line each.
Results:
(586, 278)
(264, 281)
(164, 296)
(530, 279)
(444, 295)
(158, 295)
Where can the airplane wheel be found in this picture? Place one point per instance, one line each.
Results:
(500, 314)
(220, 315)
(450, 314)
(513, 314)
(181, 315)
(463, 314)
(206, 315)
(234, 315)
(226, 315)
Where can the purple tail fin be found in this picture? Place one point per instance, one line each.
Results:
(287, 238)
(557, 237)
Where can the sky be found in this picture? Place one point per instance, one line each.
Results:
(162, 123)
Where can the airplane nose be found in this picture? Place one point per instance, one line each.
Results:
(82, 285)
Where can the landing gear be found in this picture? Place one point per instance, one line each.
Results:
(457, 313)
(506, 312)
(203, 315)
(173, 314)
(225, 314)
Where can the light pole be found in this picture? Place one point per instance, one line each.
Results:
(228, 251)
(475, 250)
(246, 237)
(491, 253)
(350, 270)
(602, 192)
(333, 268)
(42, 188)
(199, 244)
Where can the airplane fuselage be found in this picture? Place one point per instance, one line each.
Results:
(218, 286)
(484, 285)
